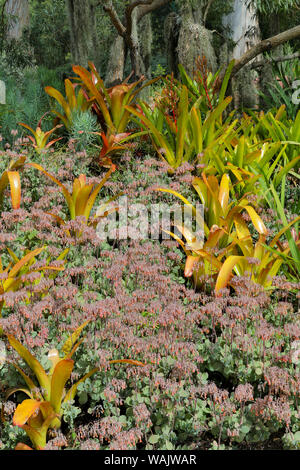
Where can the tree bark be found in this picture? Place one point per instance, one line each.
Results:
(82, 21)
(146, 35)
(194, 40)
(116, 62)
(266, 75)
(171, 33)
(128, 29)
(18, 18)
(134, 43)
(245, 34)
(266, 45)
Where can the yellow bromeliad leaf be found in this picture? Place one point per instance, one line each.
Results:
(15, 188)
(198, 218)
(243, 235)
(225, 272)
(224, 193)
(70, 395)
(68, 345)
(60, 99)
(30, 384)
(82, 199)
(12, 255)
(33, 363)
(61, 375)
(11, 391)
(256, 220)
(53, 356)
(77, 185)
(66, 193)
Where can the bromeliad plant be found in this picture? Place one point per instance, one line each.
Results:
(188, 137)
(82, 199)
(109, 104)
(71, 104)
(40, 138)
(112, 144)
(259, 261)
(44, 408)
(251, 164)
(13, 277)
(279, 128)
(218, 226)
(205, 88)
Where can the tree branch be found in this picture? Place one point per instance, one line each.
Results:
(129, 13)
(135, 4)
(261, 63)
(109, 8)
(210, 2)
(144, 10)
(265, 45)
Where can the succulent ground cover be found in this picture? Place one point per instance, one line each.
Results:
(129, 344)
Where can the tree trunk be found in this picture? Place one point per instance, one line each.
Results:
(116, 62)
(245, 34)
(194, 40)
(266, 72)
(2, 92)
(83, 32)
(134, 45)
(146, 37)
(17, 12)
(135, 11)
(171, 33)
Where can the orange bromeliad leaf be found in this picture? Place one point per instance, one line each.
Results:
(11, 178)
(190, 264)
(21, 446)
(15, 188)
(127, 361)
(19, 265)
(24, 411)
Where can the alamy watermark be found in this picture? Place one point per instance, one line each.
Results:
(2, 92)
(157, 221)
(296, 94)
(2, 353)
